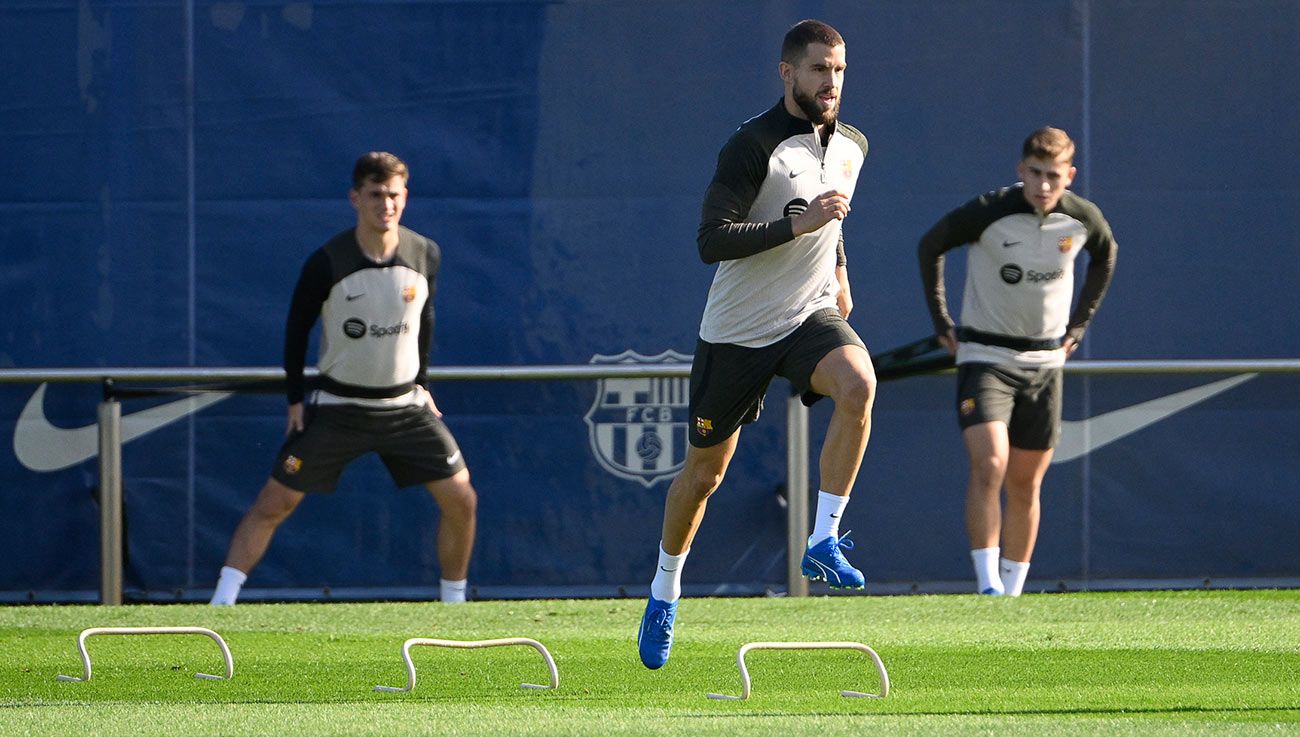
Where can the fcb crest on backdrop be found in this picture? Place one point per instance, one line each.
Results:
(637, 426)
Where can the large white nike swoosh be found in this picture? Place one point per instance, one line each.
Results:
(40, 446)
(1081, 437)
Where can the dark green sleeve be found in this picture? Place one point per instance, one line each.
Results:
(425, 338)
(957, 228)
(723, 234)
(1102, 251)
(313, 287)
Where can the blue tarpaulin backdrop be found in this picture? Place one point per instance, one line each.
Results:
(169, 165)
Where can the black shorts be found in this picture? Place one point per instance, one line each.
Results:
(728, 381)
(1028, 401)
(413, 443)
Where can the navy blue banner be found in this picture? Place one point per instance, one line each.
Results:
(170, 165)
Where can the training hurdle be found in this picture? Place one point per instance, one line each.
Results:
(85, 655)
(471, 644)
(744, 672)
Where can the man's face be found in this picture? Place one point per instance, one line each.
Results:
(379, 205)
(1045, 180)
(815, 82)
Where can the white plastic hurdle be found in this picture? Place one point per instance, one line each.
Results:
(470, 644)
(85, 655)
(744, 672)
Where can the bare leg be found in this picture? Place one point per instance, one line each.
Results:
(458, 504)
(273, 506)
(1024, 482)
(848, 378)
(987, 447)
(689, 493)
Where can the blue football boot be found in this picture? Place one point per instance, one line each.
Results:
(655, 639)
(825, 562)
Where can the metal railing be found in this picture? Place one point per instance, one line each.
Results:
(797, 455)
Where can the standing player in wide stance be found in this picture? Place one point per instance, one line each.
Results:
(1016, 333)
(771, 221)
(371, 287)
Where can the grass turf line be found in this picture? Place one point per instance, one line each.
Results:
(1133, 663)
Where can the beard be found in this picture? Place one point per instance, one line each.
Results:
(812, 109)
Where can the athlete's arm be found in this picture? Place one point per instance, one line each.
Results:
(296, 423)
(957, 228)
(309, 294)
(424, 338)
(843, 300)
(1102, 251)
(723, 234)
(930, 252)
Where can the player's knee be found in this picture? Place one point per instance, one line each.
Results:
(857, 394)
(701, 480)
(458, 500)
(1022, 491)
(274, 504)
(988, 469)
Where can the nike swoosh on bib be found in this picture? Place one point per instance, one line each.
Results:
(1081, 437)
(40, 446)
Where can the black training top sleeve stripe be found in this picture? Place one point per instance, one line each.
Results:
(313, 287)
(723, 234)
(434, 260)
(853, 134)
(1102, 253)
(742, 167)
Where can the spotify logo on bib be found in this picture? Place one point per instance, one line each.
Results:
(354, 328)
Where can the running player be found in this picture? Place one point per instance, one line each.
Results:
(771, 221)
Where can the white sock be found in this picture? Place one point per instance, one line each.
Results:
(452, 592)
(229, 583)
(1013, 574)
(667, 584)
(986, 570)
(830, 507)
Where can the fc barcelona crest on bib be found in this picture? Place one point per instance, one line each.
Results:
(637, 426)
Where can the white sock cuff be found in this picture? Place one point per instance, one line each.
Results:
(667, 558)
(452, 592)
(1013, 574)
(826, 522)
(839, 500)
(234, 575)
(985, 561)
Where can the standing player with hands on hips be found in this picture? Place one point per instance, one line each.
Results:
(371, 287)
(1017, 331)
(772, 220)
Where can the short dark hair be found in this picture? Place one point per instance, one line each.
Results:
(1048, 143)
(804, 33)
(378, 166)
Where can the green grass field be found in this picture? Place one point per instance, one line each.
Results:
(1165, 663)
